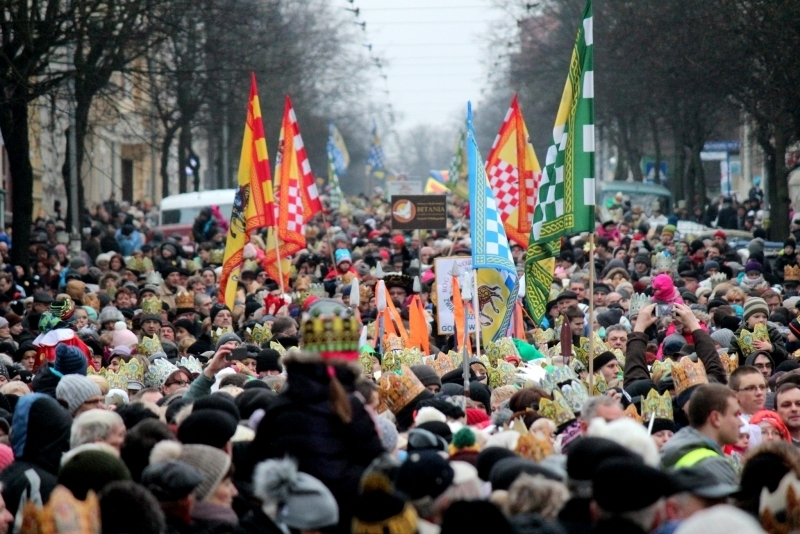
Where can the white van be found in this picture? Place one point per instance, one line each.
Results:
(178, 212)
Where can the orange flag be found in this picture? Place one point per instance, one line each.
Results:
(418, 326)
(458, 313)
(519, 322)
(254, 205)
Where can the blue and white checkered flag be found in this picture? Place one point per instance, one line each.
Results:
(375, 158)
(491, 254)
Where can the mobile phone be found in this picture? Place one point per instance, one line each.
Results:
(664, 310)
(239, 353)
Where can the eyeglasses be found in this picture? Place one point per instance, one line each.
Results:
(763, 365)
(753, 389)
(181, 383)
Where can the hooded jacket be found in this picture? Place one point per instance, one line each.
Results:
(40, 434)
(680, 449)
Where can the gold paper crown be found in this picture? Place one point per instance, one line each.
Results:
(217, 256)
(663, 263)
(557, 410)
(63, 514)
(149, 346)
(638, 301)
(311, 290)
(192, 364)
(658, 406)
(367, 360)
(398, 388)
(365, 294)
(661, 369)
(132, 370)
(274, 345)
(184, 300)
(140, 265)
(599, 384)
(533, 446)
(747, 338)
(332, 336)
(502, 373)
(392, 342)
(686, 373)
(215, 334)
(151, 306)
(115, 380)
(791, 273)
(779, 511)
(631, 412)
(543, 336)
(498, 351)
(730, 362)
(443, 364)
(257, 335)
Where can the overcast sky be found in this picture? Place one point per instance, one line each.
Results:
(435, 54)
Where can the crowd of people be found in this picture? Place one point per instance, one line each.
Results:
(133, 400)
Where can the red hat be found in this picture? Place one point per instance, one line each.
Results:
(374, 233)
(399, 240)
(476, 416)
(384, 254)
(720, 233)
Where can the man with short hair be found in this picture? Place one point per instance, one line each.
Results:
(751, 389)
(202, 304)
(603, 406)
(773, 300)
(577, 322)
(713, 423)
(566, 300)
(578, 285)
(787, 404)
(601, 291)
(617, 337)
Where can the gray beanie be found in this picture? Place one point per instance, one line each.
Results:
(74, 390)
(303, 502)
(213, 463)
(110, 313)
(723, 337)
(427, 375)
(388, 434)
(224, 338)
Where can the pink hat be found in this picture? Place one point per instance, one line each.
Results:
(6, 456)
(123, 336)
(427, 276)
(664, 290)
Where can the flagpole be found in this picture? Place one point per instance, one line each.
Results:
(466, 296)
(476, 310)
(591, 313)
(278, 258)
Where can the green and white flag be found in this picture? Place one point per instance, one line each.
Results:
(457, 177)
(566, 194)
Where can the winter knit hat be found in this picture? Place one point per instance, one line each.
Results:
(110, 313)
(70, 360)
(388, 434)
(123, 336)
(213, 463)
(343, 255)
(723, 337)
(6, 456)
(225, 338)
(427, 375)
(91, 470)
(752, 265)
(755, 305)
(74, 390)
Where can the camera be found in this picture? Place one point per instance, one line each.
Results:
(664, 310)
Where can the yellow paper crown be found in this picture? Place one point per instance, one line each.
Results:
(631, 412)
(257, 335)
(149, 346)
(151, 306)
(217, 256)
(730, 362)
(543, 336)
(686, 373)
(215, 334)
(658, 406)
(443, 364)
(533, 446)
(661, 369)
(747, 338)
(184, 300)
(116, 380)
(140, 265)
(599, 384)
(63, 513)
(398, 388)
(132, 370)
(502, 373)
(791, 273)
(501, 349)
(392, 342)
(557, 410)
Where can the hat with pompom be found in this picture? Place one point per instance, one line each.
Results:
(123, 336)
(70, 360)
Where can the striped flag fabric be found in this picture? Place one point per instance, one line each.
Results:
(457, 180)
(491, 253)
(514, 173)
(254, 203)
(337, 149)
(336, 196)
(376, 161)
(566, 196)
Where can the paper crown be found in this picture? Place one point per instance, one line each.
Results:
(367, 360)
(149, 346)
(215, 334)
(444, 363)
(498, 351)
(257, 335)
(277, 347)
(193, 265)
(115, 380)
(658, 406)
(396, 359)
(217, 256)
(779, 511)
(308, 290)
(716, 279)
(151, 306)
(557, 410)
(192, 364)
(599, 385)
(686, 373)
(661, 369)
(747, 338)
(543, 336)
(398, 388)
(365, 294)
(334, 337)
(557, 375)
(392, 342)
(133, 371)
(791, 273)
(533, 446)
(184, 300)
(730, 362)
(631, 412)
(663, 263)
(63, 514)
(502, 373)
(575, 394)
(63, 309)
(140, 265)
(158, 372)
(154, 279)
(638, 301)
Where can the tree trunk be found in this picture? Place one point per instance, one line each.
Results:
(691, 176)
(14, 126)
(677, 182)
(184, 146)
(657, 148)
(779, 209)
(166, 145)
(634, 151)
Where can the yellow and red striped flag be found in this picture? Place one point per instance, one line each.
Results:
(296, 204)
(254, 204)
(514, 173)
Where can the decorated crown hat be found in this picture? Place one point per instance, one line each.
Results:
(184, 301)
(63, 514)
(257, 335)
(575, 394)
(555, 376)
(63, 308)
(499, 350)
(133, 371)
(149, 346)
(686, 373)
(398, 388)
(791, 273)
(747, 338)
(139, 265)
(661, 369)
(192, 364)
(215, 334)
(334, 336)
(115, 380)
(658, 406)
(663, 263)
(543, 336)
(730, 362)
(392, 342)
(502, 373)
(443, 364)
(599, 384)
(638, 301)
(217, 256)
(557, 410)
(716, 279)
(151, 307)
(158, 372)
